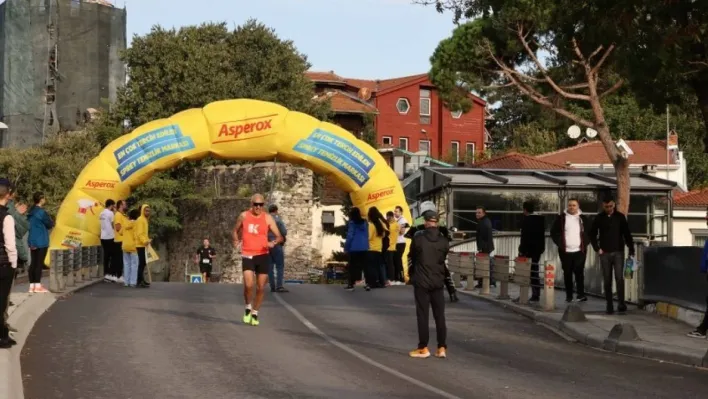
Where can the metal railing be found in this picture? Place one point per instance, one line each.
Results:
(71, 267)
(507, 245)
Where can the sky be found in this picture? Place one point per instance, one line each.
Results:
(366, 39)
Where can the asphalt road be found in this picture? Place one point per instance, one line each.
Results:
(186, 341)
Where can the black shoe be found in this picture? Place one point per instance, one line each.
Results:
(12, 341)
(535, 299)
(581, 299)
(6, 343)
(610, 310)
(568, 300)
(12, 303)
(272, 289)
(453, 297)
(366, 287)
(621, 308)
(281, 289)
(349, 288)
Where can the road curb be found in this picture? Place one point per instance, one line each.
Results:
(24, 319)
(574, 330)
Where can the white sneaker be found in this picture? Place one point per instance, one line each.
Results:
(120, 280)
(108, 277)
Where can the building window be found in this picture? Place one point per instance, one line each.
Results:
(387, 141)
(424, 145)
(469, 153)
(403, 106)
(403, 143)
(455, 151)
(456, 114)
(425, 105)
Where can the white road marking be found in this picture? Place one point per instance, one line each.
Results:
(359, 356)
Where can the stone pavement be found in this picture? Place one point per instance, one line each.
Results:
(656, 337)
(26, 310)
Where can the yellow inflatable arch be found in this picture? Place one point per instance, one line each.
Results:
(233, 129)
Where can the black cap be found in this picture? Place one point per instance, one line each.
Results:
(430, 216)
(5, 182)
(273, 208)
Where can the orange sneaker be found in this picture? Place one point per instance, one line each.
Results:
(441, 353)
(420, 353)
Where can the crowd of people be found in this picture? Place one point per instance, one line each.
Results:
(19, 220)
(125, 237)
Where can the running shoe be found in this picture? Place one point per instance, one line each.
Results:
(254, 320)
(441, 353)
(247, 317)
(420, 353)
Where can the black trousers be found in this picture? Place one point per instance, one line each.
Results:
(390, 265)
(36, 265)
(612, 262)
(424, 300)
(108, 255)
(536, 277)
(398, 274)
(449, 284)
(374, 269)
(142, 262)
(574, 266)
(703, 327)
(7, 274)
(357, 262)
(117, 260)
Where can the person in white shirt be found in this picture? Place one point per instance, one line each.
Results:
(107, 241)
(570, 235)
(398, 276)
(8, 259)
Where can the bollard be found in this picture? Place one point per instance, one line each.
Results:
(481, 267)
(549, 302)
(501, 274)
(76, 253)
(55, 270)
(523, 278)
(94, 262)
(99, 262)
(85, 275)
(69, 268)
(466, 269)
(62, 270)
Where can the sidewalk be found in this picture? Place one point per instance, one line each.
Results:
(656, 337)
(26, 310)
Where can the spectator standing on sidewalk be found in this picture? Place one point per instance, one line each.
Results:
(277, 253)
(8, 259)
(429, 251)
(378, 228)
(608, 236)
(485, 242)
(120, 219)
(108, 235)
(356, 246)
(533, 244)
(38, 241)
(569, 233)
(18, 210)
(403, 227)
(702, 329)
(142, 232)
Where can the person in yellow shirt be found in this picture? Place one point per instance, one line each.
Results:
(378, 228)
(142, 241)
(393, 230)
(130, 251)
(119, 220)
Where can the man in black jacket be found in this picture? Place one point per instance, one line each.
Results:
(485, 242)
(533, 244)
(569, 233)
(429, 251)
(614, 234)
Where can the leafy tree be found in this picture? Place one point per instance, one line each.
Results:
(501, 49)
(174, 70)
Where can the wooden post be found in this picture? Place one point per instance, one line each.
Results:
(522, 277)
(501, 274)
(549, 301)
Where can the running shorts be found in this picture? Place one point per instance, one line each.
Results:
(205, 268)
(258, 264)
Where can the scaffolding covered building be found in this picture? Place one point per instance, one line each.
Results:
(58, 58)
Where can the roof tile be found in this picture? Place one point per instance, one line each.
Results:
(646, 152)
(344, 102)
(516, 160)
(692, 199)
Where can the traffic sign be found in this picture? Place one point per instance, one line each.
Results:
(195, 279)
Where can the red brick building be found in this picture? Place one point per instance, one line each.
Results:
(409, 114)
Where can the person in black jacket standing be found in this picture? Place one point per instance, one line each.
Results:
(485, 242)
(613, 230)
(533, 244)
(429, 251)
(569, 233)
